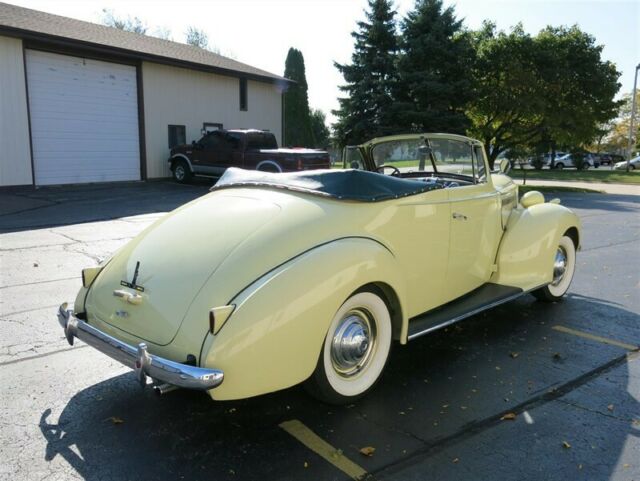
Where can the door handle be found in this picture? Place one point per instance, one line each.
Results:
(459, 216)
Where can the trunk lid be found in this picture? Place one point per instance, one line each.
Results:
(169, 271)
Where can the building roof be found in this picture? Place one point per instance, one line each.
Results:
(46, 27)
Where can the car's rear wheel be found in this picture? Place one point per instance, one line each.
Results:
(181, 172)
(559, 166)
(564, 265)
(355, 350)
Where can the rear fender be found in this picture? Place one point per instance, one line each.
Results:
(528, 246)
(274, 336)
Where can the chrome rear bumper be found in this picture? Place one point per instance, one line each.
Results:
(137, 358)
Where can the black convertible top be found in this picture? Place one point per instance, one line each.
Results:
(358, 185)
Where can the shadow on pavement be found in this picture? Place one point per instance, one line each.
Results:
(28, 208)
(439, 394)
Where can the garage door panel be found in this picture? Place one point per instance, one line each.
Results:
(84, 119)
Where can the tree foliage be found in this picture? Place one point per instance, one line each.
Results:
(321, 133)
(128, 24)
(197, 37)
(434, 84)
(550, 90)
(616, 138)
(366, 111)
(297, 116)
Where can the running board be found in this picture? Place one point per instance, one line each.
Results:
(484, 297)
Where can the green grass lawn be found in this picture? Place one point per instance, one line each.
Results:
(591, 175)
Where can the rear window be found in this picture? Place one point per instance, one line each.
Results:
(261, 140)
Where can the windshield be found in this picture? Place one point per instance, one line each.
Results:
(441, 156)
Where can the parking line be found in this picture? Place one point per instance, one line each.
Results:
(322, 448)
(592, 337)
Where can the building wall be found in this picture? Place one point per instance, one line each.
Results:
(15, 153)
(177, 96)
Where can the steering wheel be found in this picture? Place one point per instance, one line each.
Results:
(395, 173)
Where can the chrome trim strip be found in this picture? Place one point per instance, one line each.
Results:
(137, 357)
(470, 313)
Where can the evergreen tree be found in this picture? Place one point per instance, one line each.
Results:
(433, 68)
(321, 133)
(297, 116)
(370, 78)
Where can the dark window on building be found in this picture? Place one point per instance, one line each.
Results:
(243, 94)
(177, 135)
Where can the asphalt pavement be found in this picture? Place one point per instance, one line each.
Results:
(525, 391)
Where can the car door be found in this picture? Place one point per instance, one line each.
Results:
(214, 154)
(417, 226)
(476, 224)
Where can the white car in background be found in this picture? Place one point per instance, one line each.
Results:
(567, 161)
(633, 164)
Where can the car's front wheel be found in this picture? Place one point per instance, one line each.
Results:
(564, 265)
(559, 166)
(355, 350)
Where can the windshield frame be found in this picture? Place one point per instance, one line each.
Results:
(367, 150)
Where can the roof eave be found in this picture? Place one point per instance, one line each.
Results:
(59, 41)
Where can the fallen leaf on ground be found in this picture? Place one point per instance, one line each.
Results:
(35, 264)
(557, 356)
(368, 450)
(508, 417)
(610, 407)
(514, 354)
(566, 445)
(306, 465)
(626, 465)
(455, 460)
(116, 420)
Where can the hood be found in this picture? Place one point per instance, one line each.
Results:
(175, 257)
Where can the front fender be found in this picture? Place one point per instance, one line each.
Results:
(274, 336)
(528, 247)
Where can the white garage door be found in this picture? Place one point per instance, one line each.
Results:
(84, 119)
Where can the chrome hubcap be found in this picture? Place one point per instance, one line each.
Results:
(179, 172)
(559, 266)
(353, 343)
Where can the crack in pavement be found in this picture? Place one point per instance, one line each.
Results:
(44, 354)
(594, 411)
(39, 282)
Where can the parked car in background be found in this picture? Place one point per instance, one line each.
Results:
(568, 161)
(634, 164)
(545, 160)
(216, 151)
(271, 280)
(610, 159)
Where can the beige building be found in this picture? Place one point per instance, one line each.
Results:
(81, 102)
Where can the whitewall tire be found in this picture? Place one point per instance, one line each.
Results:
(355, 350)
(564, 266)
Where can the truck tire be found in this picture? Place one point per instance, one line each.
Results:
(181, 172)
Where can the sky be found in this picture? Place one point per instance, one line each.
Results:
(260, 32)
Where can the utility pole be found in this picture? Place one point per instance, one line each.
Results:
(633, 116)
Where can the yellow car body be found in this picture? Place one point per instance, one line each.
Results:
(247, 279)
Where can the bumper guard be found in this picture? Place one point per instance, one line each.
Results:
(137, 358)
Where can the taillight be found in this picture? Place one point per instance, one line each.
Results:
(212, 321)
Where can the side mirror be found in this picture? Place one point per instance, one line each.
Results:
(503, 167)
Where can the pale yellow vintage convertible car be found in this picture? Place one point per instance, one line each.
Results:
(271, 280)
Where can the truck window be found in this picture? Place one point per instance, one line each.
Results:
(261, 140)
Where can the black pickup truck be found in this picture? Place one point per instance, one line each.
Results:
(247, 149)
